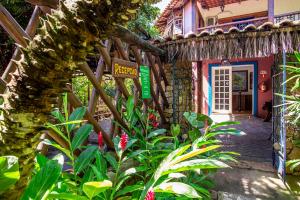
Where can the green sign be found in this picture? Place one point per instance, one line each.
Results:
(145, 79)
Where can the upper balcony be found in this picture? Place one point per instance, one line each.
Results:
(240, 25)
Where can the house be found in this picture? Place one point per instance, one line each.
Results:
(232, 51)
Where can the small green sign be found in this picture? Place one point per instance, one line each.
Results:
(145, 79)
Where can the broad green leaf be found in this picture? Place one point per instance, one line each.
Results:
(9, 172)
(43, 181)
(193, 153)
(41, 160)
(85, 158)
(195, 164)
(92, 189)
(132, 171)
(76, 115)
(129, 107)
(56, 130)
(81, 135)
(178, 188)
(112, 160)
(222, 124)
(66, 196)
(175, 129)
(230, 131)
(156, 133)
(129, 189)
(101, 166)
(191, 117)
(57, 146)
(57, 114)
(166, 162)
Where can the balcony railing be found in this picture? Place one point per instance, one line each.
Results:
(291, 16)
(239, 24)
(256, 21)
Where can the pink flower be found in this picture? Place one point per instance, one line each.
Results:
(151, 117)
(155, 124)
(150, 195)
(100, 140)
(123, 141)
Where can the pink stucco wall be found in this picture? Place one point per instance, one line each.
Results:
(263, 64)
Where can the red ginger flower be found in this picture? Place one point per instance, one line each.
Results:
(155, 124)
(123, 141)
(150, 195)
(100, 140)
(151, 117)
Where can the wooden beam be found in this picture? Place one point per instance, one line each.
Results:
(157, 78)
(125, 56)
(48, 3)
(88, 72)
(132, 38)
(97, 128)
(12, 27)
(156, 101)
(162, 71)
(108, 62)
(99, 74)
(30, 30)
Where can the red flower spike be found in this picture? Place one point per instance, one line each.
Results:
(155, 124)
(123, 141)
(100, 140)
(150, 195)
(151, 117)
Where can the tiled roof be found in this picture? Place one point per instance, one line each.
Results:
(219, 31)
(215, 3)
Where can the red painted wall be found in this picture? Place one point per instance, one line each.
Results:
(263, 64)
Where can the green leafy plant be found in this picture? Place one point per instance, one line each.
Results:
(9, 172)
(148, 162)
(293, 100)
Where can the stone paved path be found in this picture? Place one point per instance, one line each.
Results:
(253, 177)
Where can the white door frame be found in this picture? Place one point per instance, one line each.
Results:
(224, 98)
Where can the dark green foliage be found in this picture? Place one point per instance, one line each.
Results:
(145, 21)
(21, 11)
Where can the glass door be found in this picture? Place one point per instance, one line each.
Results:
(222, 89)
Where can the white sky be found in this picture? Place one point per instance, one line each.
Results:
(162, 4)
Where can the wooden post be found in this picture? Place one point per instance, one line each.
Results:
(162, 71)
(88, 72)
(271, 10)
(30, 30)
(196, 76)
(157, 78)
(99, 74)
(12, 27)
(119, 81)
(156, 101)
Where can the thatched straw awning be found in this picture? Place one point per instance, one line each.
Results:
(251, 42)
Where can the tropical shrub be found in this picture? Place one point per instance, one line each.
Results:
(293, 101)
(148, 163)
(9, 172)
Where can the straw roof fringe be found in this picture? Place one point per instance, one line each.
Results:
(259, 43)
